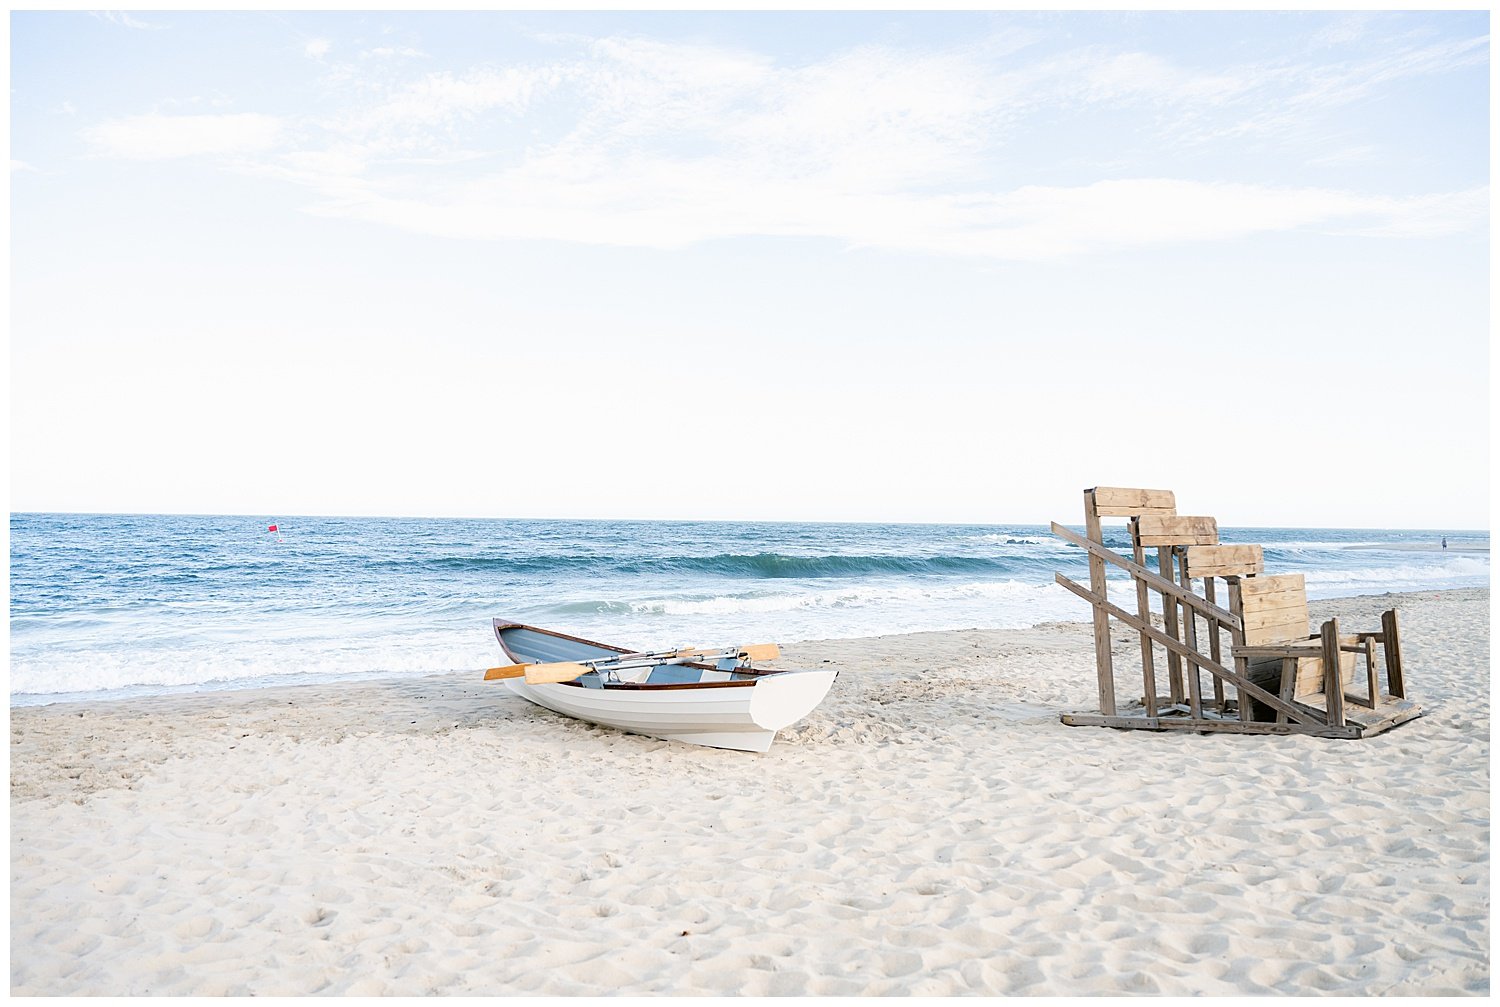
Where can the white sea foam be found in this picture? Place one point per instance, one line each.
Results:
(856, 610)
(1443, 572)
(182, 608)
(1016, 539)
(92, 672)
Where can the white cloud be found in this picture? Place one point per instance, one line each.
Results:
(154, 136)
(317, 48)
(1343, 156)
(124, 20)
(421, 117)
(671, 206)
(394, 51)
(649, 143)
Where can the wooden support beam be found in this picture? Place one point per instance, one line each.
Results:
(1238, 681)
(1143, 606)
(1220, 726)
(1395, 676)
(1103, 658)
(1213, 635)
(1154, 581)
(1372, 679)
(1288, 683)
(1237, 639)
(1333, 678)
(1190, 637)
(1169, 622)
(1311, 647)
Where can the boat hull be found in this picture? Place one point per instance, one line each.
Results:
(742, 714)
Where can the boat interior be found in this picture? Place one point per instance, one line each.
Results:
(529, 645)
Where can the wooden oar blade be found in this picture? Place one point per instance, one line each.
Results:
(509, 671)
(761, 651)
(542, 674)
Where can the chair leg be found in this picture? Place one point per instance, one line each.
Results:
(1288, 681)
(1392, 640)
(1333, 674)
(1370, 672)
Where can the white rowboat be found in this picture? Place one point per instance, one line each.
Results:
(722, 705)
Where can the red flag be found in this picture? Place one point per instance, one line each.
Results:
(272, 528)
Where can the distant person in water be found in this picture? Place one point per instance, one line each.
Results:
(1445, 541)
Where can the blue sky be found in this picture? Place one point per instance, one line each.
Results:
(833, 266)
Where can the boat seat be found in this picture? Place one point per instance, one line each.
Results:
(674, 674)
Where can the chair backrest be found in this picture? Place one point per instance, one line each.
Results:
(1224, 560)
(1172, 529)
(1274, 609)
(1116, 501)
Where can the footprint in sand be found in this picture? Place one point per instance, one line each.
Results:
(114, 884)
(318, 917)
(196, 928)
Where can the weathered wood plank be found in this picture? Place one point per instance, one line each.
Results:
(1274, 609)
(1163, 529)
(1190, 626)
(1333, 688)
(1284, 608)
(1288, 684)
(1311, 647)
(1213, 634)
(1208, 725)
(1225, 560)
(1237, 639)
(1372, 680)
(1310, 677)
(1270, 601)
(1103, 657)
(1116, 501)
(1237, 680)
(1143, 607)
(1289, 624)
(1140, 572)
(1169, 623)
(1190, 638)
(1395, 675)
(1254, 587)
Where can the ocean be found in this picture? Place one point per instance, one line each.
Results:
(113, 606)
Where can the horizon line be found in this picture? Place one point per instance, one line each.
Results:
(671, 520)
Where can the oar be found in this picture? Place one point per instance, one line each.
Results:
(566, 671)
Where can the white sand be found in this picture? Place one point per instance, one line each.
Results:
(931, 829)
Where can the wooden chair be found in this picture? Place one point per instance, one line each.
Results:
(1266, 619)
(1278, 653)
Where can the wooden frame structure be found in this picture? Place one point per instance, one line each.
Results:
(1279, 678)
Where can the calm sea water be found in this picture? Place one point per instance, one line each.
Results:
(117, 605)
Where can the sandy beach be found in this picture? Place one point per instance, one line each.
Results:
(932, 828)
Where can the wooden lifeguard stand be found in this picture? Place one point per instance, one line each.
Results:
(1283, 679)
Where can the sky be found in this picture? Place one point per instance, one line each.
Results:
(830, 267)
